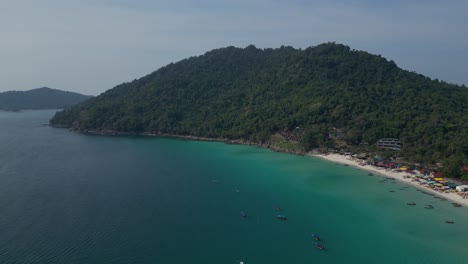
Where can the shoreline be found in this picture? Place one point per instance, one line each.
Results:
(332, 157)
(184, 137)
(337, 158)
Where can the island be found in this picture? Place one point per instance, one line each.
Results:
(325, 98)
(40, 98)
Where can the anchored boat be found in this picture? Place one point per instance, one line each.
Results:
(319, 246)
(281, 217)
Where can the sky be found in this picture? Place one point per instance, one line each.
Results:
(90, 46)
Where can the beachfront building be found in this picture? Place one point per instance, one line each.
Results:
(389, 143)
(462, 188)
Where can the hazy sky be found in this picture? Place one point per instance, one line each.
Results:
(90, 46)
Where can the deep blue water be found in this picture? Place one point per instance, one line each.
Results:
(72, 198)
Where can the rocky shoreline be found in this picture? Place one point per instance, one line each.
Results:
(185, 137)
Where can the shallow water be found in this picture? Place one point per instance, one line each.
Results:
(72, 198)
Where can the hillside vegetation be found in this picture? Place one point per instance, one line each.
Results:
(264, 95)
(41, 98)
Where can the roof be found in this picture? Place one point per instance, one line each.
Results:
(451, 184)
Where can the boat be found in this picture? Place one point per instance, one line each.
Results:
(277, 208)
(449, 222)
(319, 246)
(316, 237)
(456, 205)
(281, 217)
(370, 174)
(411, 203)
(429, 206)
(243, 214)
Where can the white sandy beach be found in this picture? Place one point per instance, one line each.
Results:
(337, 158)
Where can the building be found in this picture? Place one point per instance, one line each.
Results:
(389, 143)
(462, 188)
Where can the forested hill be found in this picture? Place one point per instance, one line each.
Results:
(286, 96)
(41, 98)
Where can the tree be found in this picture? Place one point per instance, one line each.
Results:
(452, 167)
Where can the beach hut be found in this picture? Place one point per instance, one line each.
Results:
(462, 188)
(423, 171)
(380, 164)
(378, 158)
(451, 184)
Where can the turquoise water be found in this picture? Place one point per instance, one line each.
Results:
(72, 198)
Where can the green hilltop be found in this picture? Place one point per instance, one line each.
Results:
(290, 98)
(40, 98)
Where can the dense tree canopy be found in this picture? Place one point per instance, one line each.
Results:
(252, 94)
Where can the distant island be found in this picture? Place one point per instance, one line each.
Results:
(327, 96)
(40, 98)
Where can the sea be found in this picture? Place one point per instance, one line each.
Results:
(67, 197)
